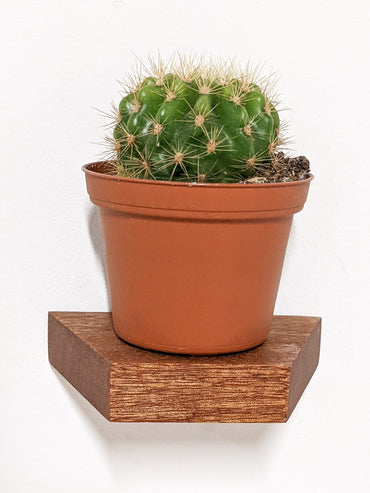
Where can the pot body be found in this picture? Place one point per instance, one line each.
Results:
(193, 269)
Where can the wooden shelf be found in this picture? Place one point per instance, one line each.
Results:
(128, 384)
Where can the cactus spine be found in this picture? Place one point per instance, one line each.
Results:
(195, 121)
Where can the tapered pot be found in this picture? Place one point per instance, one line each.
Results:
(193, 268)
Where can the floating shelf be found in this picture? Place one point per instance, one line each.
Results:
(127, 384)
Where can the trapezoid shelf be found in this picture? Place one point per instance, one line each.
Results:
(128, 384)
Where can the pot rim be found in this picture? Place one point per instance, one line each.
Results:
(88, 169)
(227, 201)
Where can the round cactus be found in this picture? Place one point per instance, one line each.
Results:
(196, 122)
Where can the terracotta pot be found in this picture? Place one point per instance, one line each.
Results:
(193, 268)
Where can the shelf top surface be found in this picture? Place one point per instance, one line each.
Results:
(286, 339)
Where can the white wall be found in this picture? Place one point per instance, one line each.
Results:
(58, 61)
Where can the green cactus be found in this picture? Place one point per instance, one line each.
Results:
(195, 122)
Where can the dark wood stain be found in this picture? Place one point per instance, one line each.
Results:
(128, 384)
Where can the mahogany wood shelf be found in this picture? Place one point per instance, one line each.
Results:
(128, 384)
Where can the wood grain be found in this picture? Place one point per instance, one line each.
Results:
(129, 384)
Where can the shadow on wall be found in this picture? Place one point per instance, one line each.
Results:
(96, 236)
(114, 437)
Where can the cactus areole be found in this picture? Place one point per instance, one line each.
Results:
(194, 243)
